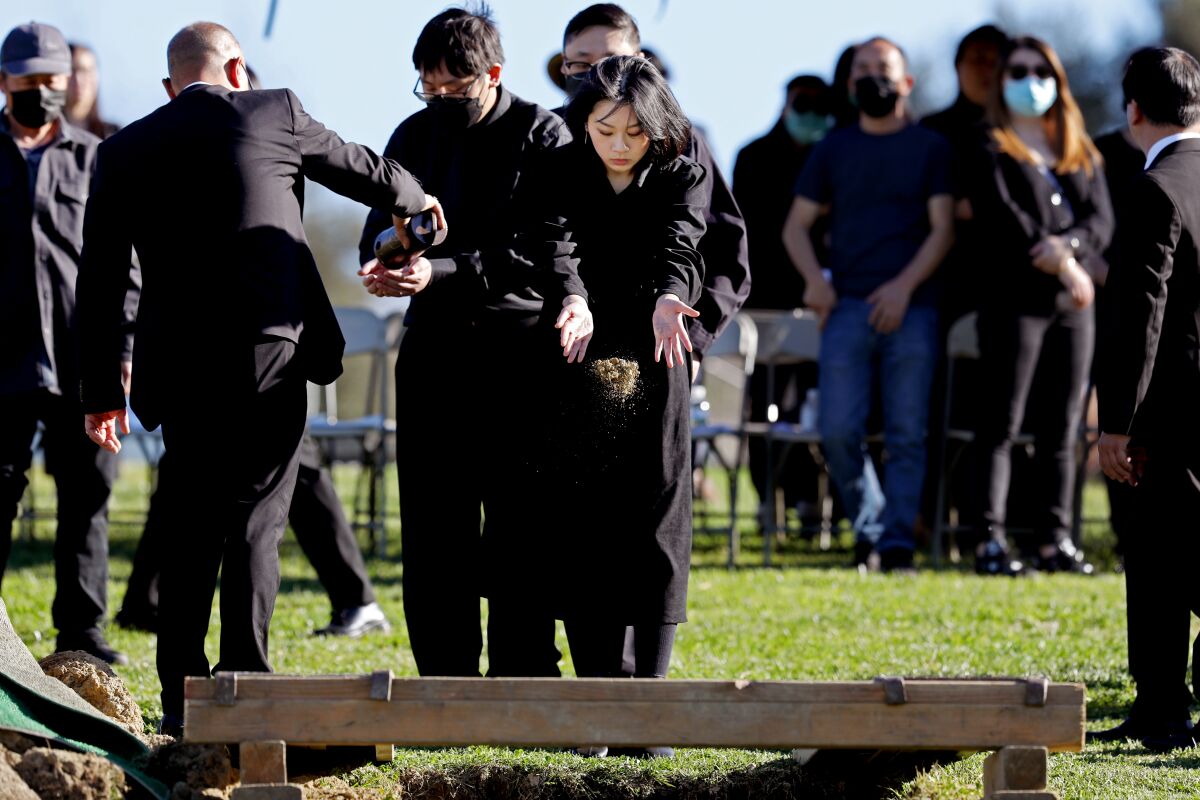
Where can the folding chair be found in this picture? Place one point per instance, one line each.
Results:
(787, 337)
(730, 359)
(365, 439)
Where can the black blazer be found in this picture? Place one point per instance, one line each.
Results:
(1014, 207)
(1153, 374)
(209, 191)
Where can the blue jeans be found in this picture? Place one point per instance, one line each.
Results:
(855, 358)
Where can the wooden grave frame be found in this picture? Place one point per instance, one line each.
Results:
(1023, 720)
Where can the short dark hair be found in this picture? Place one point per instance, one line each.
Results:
(633, 81)
(465, 40)
(608, 15)
(986, 35)
(1165, 82)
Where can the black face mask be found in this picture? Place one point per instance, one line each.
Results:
(33, 108)
(875, 95)
(574, 83)
(456, 112)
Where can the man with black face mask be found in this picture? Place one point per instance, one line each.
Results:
(466, 374)
(886, 183)
(47, 164)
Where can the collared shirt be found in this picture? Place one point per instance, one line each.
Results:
(1167, 141)
(41, 240)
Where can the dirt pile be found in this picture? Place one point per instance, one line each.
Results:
(95, 682)
(12, 787)
(63, 775)
(192, 770)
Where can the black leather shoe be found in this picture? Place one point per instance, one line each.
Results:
(642, 752)
(137, 619)
(994, 560)
(1133, 728)
(897, 561)
(595, 751)
(1171, 741)
(354, 622)
(862, 553)
(93, 643)
(171, 725)
(1067, 558)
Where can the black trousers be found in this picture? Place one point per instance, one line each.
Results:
(466, 398)
(1011, 348)
(602, 649)
(1161, 554)
(234, 470)
(83, 475)
(316, 517)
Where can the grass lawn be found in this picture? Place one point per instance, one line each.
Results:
(809, 619)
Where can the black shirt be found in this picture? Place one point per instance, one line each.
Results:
(475, 173)
(764, 183)
(41, 237)
(878, 189)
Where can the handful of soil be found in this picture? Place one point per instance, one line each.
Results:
(617, 377)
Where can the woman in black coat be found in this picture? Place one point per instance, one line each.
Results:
(623, 216)
(1043, 207)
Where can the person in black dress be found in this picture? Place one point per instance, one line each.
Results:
(623, 217)
(1045, 220)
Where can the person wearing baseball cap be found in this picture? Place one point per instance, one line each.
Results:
(50, 163)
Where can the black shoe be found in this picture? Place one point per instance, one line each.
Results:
(93, 643)
(1165, 743)
(1133, 728)
(642, 752)
(171, 725)
(137, 619)
(994, 560)
(354, 622)
(1067, 558)
(595, 751)
(897, 561)
(862, 553)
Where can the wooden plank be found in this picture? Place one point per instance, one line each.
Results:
(263, 761)
(253, 686)
(385, 752)
(1015, 768)
(268, 791)
(1022, 795)
(744, 723)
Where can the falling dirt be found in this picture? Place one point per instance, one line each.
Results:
(617, 378)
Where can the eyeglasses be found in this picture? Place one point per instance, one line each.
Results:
(1019, 72)
(427, 97)
(576, 67)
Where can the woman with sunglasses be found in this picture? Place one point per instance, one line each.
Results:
(1044, 211)
(623, 212)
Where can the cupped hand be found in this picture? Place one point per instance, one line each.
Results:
(670, 332)
(102, 428)
(576, 326)
(889, 304)
(406, 281)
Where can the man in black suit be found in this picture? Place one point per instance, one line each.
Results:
(208, 190)
(1151, 427)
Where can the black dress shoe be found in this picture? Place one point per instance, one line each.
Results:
(642, 752)
(1067, 558)
(93, 643)
(354, 622)
(171, 725)
(1134, 728)
(595, 751)
(137, 619)
(1165, 743)
(995, 560)
(897, 561)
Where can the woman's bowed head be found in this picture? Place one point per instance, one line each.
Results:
(628, 114)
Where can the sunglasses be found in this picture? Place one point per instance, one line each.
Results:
(1019, 72)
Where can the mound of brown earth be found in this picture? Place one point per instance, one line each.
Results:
(12, 787)
(63, 775)
(95, 682)
(192, 770)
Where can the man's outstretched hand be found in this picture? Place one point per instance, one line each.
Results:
(102, 428)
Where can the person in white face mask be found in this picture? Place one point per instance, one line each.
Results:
(1042, 204)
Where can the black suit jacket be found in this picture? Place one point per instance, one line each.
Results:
(209, 191)
(1153, 391)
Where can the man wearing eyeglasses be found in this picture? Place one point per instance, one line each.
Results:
(467, 360)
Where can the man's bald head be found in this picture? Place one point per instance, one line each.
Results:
(204, 51)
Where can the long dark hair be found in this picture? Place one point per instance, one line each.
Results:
(633, 81)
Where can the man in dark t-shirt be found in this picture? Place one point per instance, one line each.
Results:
(886, 184)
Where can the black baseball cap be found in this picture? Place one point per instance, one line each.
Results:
(35, 49)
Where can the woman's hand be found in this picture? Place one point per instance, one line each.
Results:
(1079, 283)
(1052, 254)
(670, 334)
(576, 326)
